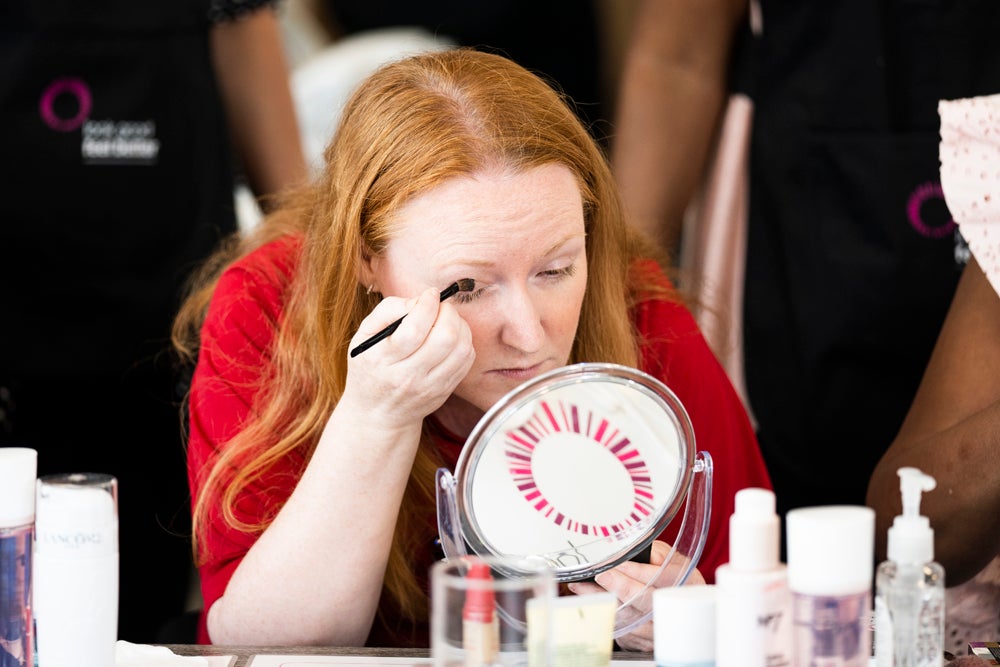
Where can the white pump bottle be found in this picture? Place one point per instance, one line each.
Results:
(909, 586)
(753, 600)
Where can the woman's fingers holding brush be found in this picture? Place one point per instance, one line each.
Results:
(436, 344)
(415, 368)
(412, 334)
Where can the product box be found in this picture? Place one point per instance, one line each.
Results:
(988, 651)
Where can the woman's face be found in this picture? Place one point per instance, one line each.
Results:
(521, 237)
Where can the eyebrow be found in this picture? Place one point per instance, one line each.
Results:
(548, 251)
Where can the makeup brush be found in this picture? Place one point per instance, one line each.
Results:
(463, 285)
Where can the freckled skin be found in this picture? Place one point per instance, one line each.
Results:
(520, 236)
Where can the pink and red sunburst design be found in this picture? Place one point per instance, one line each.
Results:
(568, 418)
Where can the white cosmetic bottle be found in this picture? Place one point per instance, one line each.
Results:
(684, 626)
(831, 553)
(76, 570)
(753, 601)
(909, 586)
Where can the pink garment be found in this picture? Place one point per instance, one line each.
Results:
(971, 610)
(970, 175)
(715, 252)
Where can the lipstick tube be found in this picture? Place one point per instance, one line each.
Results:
(480, 628)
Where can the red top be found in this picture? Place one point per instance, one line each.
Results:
(236, 342)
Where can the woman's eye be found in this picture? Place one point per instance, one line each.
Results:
(468, 297)
(548, 274)
(560, 272)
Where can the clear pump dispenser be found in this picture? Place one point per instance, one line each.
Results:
(909, 586)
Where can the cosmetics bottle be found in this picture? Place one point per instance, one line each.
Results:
(76, 570)
(684, 626)
(909, 586)
(753, 602)
(18, 468)
(831, 552)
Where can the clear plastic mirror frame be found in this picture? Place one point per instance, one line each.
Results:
(582, 467)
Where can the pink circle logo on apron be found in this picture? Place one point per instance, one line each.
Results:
(65, 86)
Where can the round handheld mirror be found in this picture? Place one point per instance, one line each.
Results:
(582, 467)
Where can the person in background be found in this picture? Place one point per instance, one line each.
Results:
(851, 257)
(117, 121)
(312, 470)
(569, 43)
(951, 430)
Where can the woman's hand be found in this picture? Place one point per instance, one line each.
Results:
(410, 374)
(628, 582)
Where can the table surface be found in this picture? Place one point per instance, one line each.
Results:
(244, 653)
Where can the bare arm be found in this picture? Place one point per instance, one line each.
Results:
(672, 96)
(253, 79)
(952, 432)
(314, 576)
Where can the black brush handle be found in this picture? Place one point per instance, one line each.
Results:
(381, 335)
(463, 285)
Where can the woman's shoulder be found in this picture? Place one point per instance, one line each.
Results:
(647, 274)
(275, 257)
(651, 288)
(269, 264)
(659, 312)
(259, 280)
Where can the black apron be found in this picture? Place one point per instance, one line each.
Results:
(852, 255)
(116, 181)
(116, 177)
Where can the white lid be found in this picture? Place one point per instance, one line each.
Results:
(684, 624)
(18, 470)
(754, 532)
(831, 549)
(911, 538)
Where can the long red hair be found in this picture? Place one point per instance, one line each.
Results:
(411, 126)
